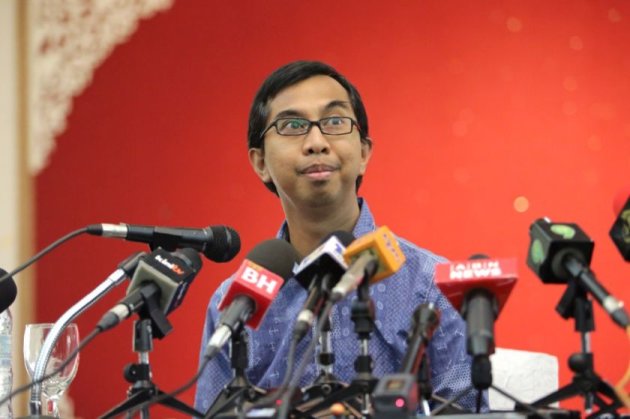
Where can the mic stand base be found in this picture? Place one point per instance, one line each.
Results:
(139, 375)
(234, 396)
(146, 394)
(575, 304)
(239, 391)
(586, 383)
(323, 386)
(350, 396)
(449, 407)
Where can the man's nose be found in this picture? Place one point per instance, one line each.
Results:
(315, 142)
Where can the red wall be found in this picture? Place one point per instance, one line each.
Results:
(471, 105)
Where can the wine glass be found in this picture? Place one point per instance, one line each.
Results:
(34, 337)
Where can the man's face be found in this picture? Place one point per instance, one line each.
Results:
(313, 169)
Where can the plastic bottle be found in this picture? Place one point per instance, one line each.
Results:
(6, 371)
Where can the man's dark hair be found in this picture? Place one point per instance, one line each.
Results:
(287, 76)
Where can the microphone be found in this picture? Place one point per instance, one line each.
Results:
(373, 257)
(424, 321)
(158, 286)
(8, 291)
(478, 289)
(560, 252)
(396, 395)
(255, 285)
(217, 243)
(620, 230)
(317, 272)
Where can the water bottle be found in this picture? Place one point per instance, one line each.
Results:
(6, 371)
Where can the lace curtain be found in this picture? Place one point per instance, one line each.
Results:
(67, 41)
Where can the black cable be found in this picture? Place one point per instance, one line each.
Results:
(72, 355)
(522, 405)
(39, 255)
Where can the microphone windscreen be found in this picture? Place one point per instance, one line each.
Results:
(225, 245)
(8, 291)
(343, 236)
(275, 255)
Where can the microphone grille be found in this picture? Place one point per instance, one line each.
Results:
(8, 291)
(275, 255)
(224, 244)
(479, 256)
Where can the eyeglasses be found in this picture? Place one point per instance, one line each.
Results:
(334, 125)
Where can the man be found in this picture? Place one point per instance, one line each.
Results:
(308, 142)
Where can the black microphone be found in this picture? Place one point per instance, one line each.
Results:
(396, 395)
(620, 230)
(561, 252)
(424, 321)
(8, 291)
(478, 288)
(318, 273)
(217, 243)
(158, 287)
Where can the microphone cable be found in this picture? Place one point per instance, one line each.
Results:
(57, 370)
(42, 253)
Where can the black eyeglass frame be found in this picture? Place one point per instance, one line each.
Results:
(353, 123)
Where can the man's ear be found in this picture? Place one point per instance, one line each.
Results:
(366, 153)
(257, 160)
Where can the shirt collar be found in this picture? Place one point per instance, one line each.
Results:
(364, 225)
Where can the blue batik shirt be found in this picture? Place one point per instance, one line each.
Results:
(395, 299)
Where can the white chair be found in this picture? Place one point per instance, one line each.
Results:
(528, 376)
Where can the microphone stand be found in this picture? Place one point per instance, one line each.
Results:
(481, 368)
(481, 377)
(238, 391)
(315, 398)
(399, 395)
(326, 358)
(139, 375)
(364, 383)
(575, 303)
(326, 382)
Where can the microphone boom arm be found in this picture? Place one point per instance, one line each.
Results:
(114, 279)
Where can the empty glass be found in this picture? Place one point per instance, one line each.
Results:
(34, 337)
